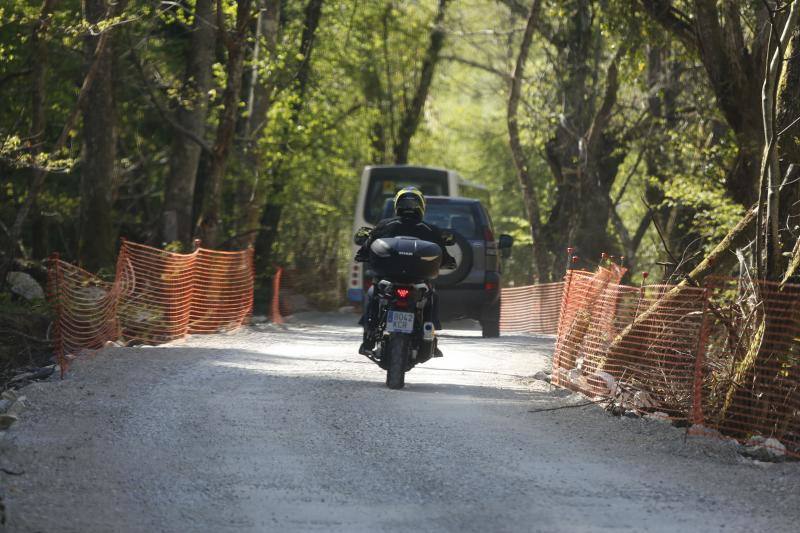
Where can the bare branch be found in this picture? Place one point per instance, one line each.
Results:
(475, 64)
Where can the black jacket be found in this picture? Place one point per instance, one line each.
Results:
(398, 226)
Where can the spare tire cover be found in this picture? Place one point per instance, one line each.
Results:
(462, 253)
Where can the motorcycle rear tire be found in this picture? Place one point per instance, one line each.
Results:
(396, 368)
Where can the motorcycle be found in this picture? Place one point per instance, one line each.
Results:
(401, 326)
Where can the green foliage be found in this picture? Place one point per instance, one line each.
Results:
(364, 68)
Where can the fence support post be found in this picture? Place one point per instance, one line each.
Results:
(54, 280)
(275, 311)
(700, 354)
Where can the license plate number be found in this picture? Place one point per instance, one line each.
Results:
(399, 322)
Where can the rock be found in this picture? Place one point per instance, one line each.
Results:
(91, 293)
(765, 449)
(642, 400)
(9, 395)
(605, 383)
(17, 407)
(6, 420)
(24, 285)
(776, 446)
(574, 376)
(4, 405)
(658, 416)
(542, 376)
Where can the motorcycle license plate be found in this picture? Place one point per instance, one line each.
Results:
(399, 322)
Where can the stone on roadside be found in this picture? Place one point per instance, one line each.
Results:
(9, 395)
(658, 416)
(6, 420)
(605, 383)
(765, 449)
(642, 400)
(23, 284)
(574, 376)
(17, 407)
(542, 376)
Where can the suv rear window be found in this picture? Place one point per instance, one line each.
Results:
(460, 217)
(457, 217)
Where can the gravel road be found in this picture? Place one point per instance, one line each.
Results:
(291, 430)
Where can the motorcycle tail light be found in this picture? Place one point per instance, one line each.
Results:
(402, 293)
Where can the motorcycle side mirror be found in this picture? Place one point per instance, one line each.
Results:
(505, 243)
(448, 237)
(362, 235)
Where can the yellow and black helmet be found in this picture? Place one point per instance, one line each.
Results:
(409, 203)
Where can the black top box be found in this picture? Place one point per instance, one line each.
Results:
(405, 259)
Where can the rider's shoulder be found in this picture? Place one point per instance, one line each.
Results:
(391, 221)
(385, 223)
(428, 226)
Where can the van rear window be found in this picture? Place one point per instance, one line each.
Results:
(384, 188)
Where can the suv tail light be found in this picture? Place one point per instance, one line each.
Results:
(488, 235)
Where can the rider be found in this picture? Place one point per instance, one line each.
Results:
(409, 209)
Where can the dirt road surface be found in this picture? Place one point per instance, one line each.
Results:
(292, 430)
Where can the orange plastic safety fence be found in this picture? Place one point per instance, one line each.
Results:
(751, 361)
(723, 356)
(531, 308)
(156, 297)
(86, 310)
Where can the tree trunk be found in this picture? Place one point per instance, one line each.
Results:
(583, 154)
(565, 156)
(273, 210)
(252, 186)
(209, 225)
(177, 223)
(97, 233)
(529, 196)
(788, 112)
(39, 117)
(413, 113)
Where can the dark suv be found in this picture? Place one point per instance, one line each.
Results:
(472, 289)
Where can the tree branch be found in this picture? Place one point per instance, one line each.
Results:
(165, 114)
(603, 115)
(480, 66)
(672, 20)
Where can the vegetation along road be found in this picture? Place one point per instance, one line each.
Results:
(289, 429)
